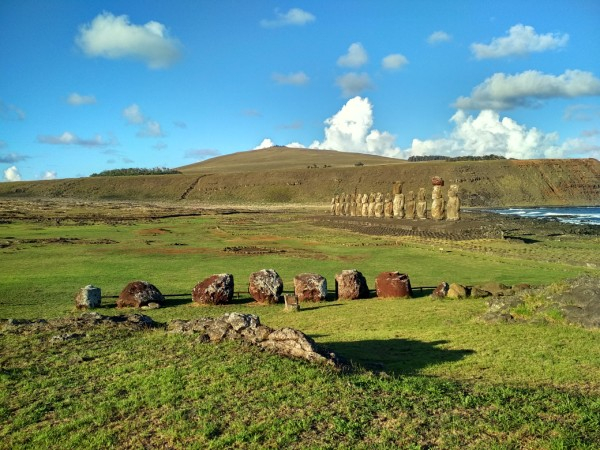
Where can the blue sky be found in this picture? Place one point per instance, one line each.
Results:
(87, 86)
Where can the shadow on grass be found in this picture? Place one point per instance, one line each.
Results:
(397, 356)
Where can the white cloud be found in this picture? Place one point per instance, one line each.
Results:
(49, 175)
(521, 40)
(150, 129)
(76, 99)
(351, 130)
(68, 138)
(437, 37)
(295, 145)
(266, 143)
(114, 37)
(294, 16)
(12, 158)
(394, 61)
(11, 112)
(12, 174)
(489, 134)
(356, 56)
(501, 91)
(296, 79)
(353, 83)
(133, 114)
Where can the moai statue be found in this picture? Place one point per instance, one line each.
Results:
(388, 206)
(398, 201)
(332, 209)
(352, 205)
(379, 205)
(372, 204)
(344, 208)
(453, 206)
(338, 205)
(410, 205)
(437, 203)
(365, 205)
(421, 204)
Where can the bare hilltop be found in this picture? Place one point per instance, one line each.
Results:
(293, 175)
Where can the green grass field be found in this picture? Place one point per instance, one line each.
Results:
(429, 373)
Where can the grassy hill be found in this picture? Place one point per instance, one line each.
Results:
(285, 175)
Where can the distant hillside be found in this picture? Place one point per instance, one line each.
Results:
(284, 158)
(281, 175)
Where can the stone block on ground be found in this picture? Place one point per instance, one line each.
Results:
(139, 293)
(456, 290)
(214, 290)
(393, 284)
(291, 303)
(265, 286)
(441, 290)
(310, 287)
(351, 285)
(88, 297)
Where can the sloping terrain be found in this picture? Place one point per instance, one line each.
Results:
(283, 175)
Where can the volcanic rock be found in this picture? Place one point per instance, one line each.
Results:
(456, 290)
(265, 286)
(139, 293)
(441, 290)
(88, 297)
(393, 284)
(351, 285)
(215, 290)
(310, 287)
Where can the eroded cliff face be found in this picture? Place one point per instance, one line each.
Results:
(500, 183)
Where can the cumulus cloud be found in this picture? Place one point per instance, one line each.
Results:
(133, 114)
(76, 99)
(294, 16)
(526, 89)
(489, 134)
(12, 174)
(296, 79)
(114, 37)
(355, 57)
(521, 40)
(353, 83)
(201, 153)
(266, 143)
(68, 138)
(48, 175)
(11, 112)
(12, 158)
(351, 130)
(437, 37)
(151, 128)
(394, 61)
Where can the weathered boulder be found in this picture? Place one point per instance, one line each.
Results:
(88, 297)
(479, 293)
(139, 293)
(456, 290)
(214, 290)
(265, 286)
(310, 287)
(496, 289)
(351, 285)
(247, 327)
(441, 290)
(393, 284)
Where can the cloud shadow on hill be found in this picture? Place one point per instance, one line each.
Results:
(397, 356)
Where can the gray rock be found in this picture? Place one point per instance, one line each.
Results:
(88, 297)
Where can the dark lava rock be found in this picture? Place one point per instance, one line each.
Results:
(139, 293)
(441, 290)
(265, 286)
(215, 290)
(310, 287)
(393, 284)
(351, 285)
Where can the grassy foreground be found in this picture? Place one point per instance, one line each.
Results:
(430, 373)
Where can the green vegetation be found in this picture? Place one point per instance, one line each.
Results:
(429, 373)
(135, 171)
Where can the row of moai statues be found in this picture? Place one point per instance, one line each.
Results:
(400, 206)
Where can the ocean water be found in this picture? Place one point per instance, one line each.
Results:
(580, 215)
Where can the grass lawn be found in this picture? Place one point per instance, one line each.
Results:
(429, 372)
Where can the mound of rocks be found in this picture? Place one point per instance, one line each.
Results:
(214, 290)
(393, 284)
(310, 287)
(351, 285)
(138, 294)
(247, 327)
(265, 286)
